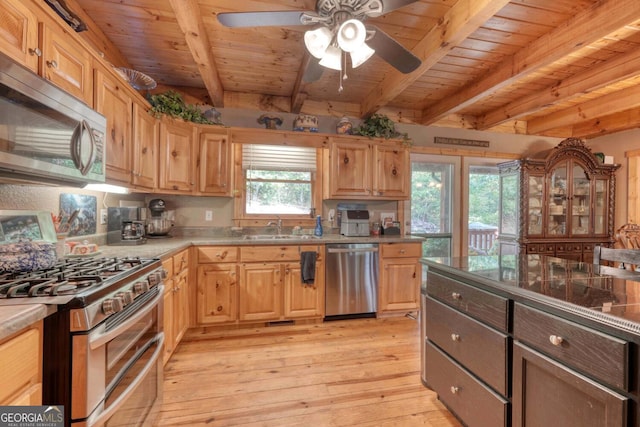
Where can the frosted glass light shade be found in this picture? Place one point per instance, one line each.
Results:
(332, 58)
(360, 56)
(351, 35)
(317, 41)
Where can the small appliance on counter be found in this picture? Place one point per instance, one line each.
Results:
(160, 222)
(354, 223)
(125, 226)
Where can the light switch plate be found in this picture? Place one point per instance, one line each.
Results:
(103, 216)
(208, 215)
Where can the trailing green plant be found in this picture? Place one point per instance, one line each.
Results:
(381, 126)
(171, 103)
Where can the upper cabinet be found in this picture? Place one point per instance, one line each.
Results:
(177, 156)
(146, 134)
(214, 162)
(366, 169)
(40, 43)
(559, 203)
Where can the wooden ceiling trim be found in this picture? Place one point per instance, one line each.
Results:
(459, 22)
(586, 27)
(616, 69)
(188, 16)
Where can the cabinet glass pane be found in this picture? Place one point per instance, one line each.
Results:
(535, 204)
(509, 204)
(600, 211)
(557, 205)
(580, 202)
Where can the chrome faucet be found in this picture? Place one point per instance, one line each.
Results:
(277, 224)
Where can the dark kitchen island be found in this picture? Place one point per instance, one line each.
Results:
(530, 340)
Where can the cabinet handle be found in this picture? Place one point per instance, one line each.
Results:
(394, 171)
(346, 159)
(556, 340)
(52, 64)
(35, 51)
(454, 389)
(402, 251)
(223, 255)
(455, 337)
(456, 295)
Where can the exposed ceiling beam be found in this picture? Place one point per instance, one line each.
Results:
(617, 122)
(588, 26)
(298, 96)
(608, 104)
(462, 19)
(612, 71)
(190, 21)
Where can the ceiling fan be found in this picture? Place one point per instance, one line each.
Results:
(339, 30)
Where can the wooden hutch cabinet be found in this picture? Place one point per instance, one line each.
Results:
(560, 202)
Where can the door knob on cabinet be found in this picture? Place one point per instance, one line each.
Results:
(455, 337)
(556, 340)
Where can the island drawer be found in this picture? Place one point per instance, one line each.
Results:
(481, 349)
(472, 401)
(488, 308)
(211, 254)
(593, 353)
(401, 250)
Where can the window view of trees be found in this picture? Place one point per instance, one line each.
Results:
(278, 192)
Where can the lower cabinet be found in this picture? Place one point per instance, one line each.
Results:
(21, 362)
(217, 290)
(400, 270)
(176, 301)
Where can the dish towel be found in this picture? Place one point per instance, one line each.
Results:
(308, 267)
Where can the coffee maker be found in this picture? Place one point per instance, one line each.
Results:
(160, 222)
(125, 226)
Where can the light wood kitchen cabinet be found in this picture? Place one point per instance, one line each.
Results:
(214, 162)
(400, 277)
(19, 33)
(260, 290)
(217, 290)
(362, 169)
(176, 301)
(304, 300)
(114, 102)
(177, 156)
(146, 131)
(21, 361)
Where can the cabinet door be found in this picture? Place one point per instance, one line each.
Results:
(391, 177)
(113, 101)
(399, 284)
(216, 299)
(177, 158)
(350, 164)
(19, 33)
(168, 313)
(546, 393)
(146, 131)
(301, 299)
(66, 63)
(214, 166)
(260, 291)
(181, 305)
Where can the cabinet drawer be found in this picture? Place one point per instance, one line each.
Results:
(473, 402)
(209, 254)
(167, 265)
(479, 348)
(180, 261)
(490, 309)
(400, 250)
(269, 253)
(604, 357)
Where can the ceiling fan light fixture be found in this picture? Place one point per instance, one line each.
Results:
(317, 41)
(351, 35)
(361, 55)
(332, 58)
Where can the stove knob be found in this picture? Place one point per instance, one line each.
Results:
(154, 278)
(112, 306)
(141, 287)
(126, 297)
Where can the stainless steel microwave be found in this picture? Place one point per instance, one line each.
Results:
(46, 135)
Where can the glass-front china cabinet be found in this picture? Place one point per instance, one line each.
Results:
(559, 202)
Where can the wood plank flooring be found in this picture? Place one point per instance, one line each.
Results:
(363, 372)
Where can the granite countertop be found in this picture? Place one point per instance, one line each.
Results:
(16, 317)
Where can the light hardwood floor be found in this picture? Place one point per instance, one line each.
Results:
(363, 372)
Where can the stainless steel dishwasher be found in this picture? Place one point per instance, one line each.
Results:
(351, 280)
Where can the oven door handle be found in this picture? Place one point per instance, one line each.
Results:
(102, 417)
(101, 338)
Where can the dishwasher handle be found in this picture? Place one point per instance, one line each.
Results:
(350, 250)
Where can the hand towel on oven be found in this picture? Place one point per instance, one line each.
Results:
(308, 267)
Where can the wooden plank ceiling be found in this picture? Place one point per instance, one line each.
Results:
(541, 67)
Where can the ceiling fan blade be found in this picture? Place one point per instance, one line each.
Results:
(262, 19)
(313, 72)
(391, 5)
(393, 52)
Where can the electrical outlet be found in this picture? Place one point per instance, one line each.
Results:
(103, 216)
(208, 215)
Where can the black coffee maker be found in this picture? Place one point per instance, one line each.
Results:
(125, 226)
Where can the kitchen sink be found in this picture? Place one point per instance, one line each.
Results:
(277, 237)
